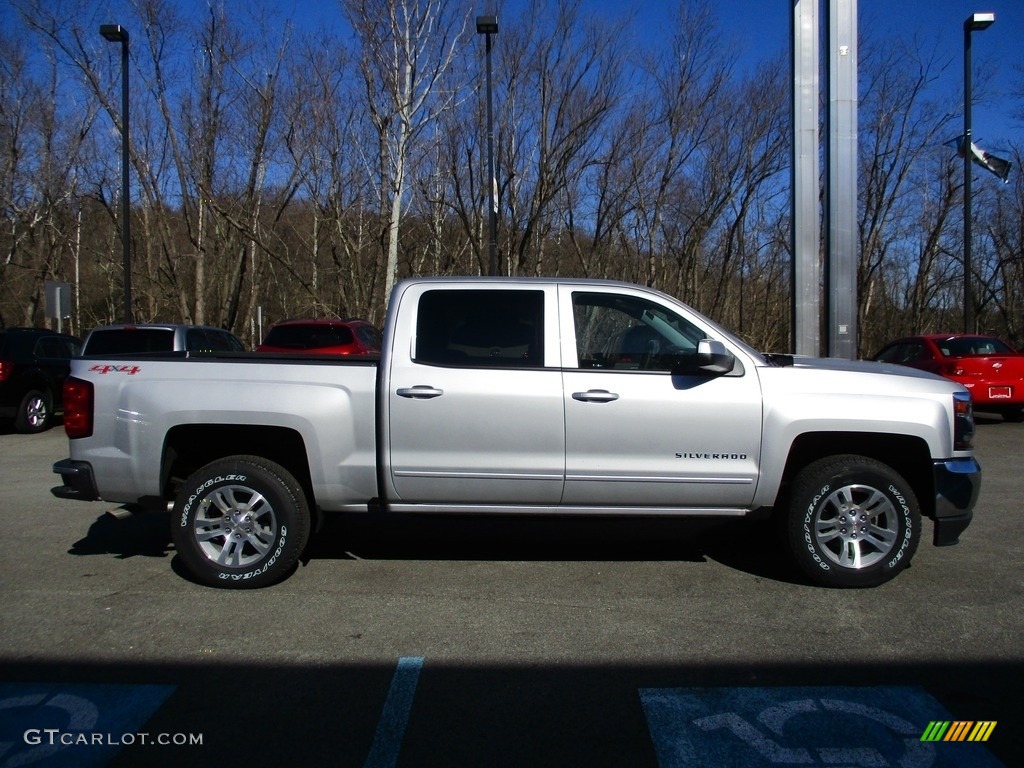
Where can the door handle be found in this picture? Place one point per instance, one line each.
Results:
(420, 392)
(595, 396)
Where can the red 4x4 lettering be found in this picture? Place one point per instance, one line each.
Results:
(131, 370)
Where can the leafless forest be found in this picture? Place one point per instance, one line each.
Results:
(282, 171)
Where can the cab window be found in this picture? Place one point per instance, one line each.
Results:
(629, 333)
(481, 329)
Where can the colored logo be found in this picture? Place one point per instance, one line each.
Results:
(958, 730)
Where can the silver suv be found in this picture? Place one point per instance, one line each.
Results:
(142, 338)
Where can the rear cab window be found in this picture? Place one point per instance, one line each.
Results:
(125, 341)
(481, 328)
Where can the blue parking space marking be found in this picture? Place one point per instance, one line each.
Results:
(54, 725)
(395, 715)
(801, 726)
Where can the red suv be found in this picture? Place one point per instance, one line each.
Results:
(323, 337)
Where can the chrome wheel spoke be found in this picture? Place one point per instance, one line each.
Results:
(883, 538)
(235, 526)
(231, 552)
(856, 526)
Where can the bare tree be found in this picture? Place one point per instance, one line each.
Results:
(685, 84)
(561, 83)
(899, 129)
(40, 177)
(1002, 279)
(407, 48)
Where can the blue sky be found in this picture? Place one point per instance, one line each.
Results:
(760, 28)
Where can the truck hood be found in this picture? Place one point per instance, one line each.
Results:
(843, 365)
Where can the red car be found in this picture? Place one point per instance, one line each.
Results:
(323, 337)
(990, 369)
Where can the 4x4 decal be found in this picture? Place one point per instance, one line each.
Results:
(131, 370)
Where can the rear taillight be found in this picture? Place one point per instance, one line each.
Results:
(963, 421)
(77, 407)
(6, 366)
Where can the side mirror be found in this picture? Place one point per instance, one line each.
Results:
(712, 358)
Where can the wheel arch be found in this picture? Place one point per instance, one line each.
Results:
(906, 454)
(191, 446)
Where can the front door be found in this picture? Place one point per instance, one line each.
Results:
(636, 434)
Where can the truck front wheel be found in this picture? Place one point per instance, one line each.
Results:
(853, 521)
(240, 523)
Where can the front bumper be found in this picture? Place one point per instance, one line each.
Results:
(957, 485)
(78, 481)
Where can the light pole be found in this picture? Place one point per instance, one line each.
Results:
(115, 33)
(974, 22)
(487, 26)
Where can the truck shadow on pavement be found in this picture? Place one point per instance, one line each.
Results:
(751, 547)
(137, 535)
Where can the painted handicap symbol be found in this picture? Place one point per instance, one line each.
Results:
(77, 713)
(795, 727)
(41, 723)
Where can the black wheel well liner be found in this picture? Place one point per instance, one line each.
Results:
(191, 446)
(907, 454)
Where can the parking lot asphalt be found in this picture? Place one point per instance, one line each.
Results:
(502, 643)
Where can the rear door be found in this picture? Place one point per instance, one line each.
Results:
(474, 403)
(638, 435)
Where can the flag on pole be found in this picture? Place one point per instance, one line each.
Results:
(986, 160)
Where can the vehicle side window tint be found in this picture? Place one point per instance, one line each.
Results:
(221, 341)
(197, 340)
(50, 347)
(481, 328)
(370, 337)
(629, 333)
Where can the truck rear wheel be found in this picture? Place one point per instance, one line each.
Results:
(240, 523)
(853, 522)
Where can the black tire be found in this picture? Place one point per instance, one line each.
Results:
(852, 522)
(1014, 414)
(240, 523)
(35, 412)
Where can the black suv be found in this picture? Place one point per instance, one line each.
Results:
(33, 365)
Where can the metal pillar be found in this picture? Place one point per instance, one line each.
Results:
(805, 224)
(974, 22)
(841, 192)
(115, 33)
(487, 26)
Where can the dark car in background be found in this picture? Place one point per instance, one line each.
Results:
(143, 338)
(33, 365)
(992, 370)
(323, 337)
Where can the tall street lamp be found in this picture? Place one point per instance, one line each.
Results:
(974, 22)
(115, 33)
(487, 26)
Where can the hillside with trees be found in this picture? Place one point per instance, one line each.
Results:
(281, 171)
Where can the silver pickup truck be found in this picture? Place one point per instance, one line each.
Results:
(522, 396)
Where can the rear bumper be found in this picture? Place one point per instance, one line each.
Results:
(78, 481)
(957, 485)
